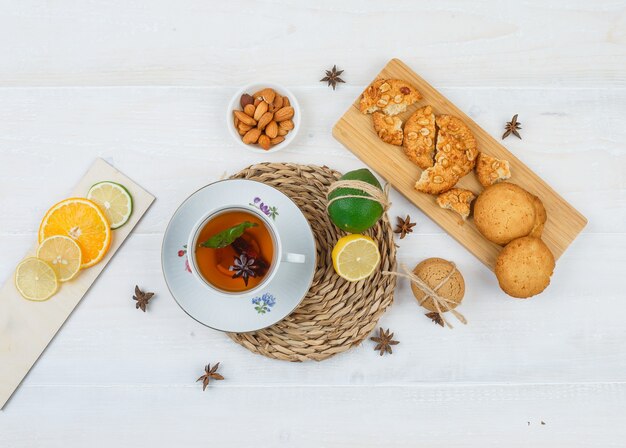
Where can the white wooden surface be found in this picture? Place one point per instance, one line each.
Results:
(144, 84)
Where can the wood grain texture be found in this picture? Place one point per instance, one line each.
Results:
(26, 327)
(354, 130)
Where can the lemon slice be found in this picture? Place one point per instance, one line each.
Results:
(62, 254)
(114, 200)
(355, 257)
(35, 279)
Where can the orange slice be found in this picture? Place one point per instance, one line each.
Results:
(84, 222)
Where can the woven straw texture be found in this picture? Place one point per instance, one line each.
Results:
(335, 315)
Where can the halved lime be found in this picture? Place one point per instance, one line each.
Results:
(114, 200)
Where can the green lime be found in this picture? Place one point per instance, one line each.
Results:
(114, 200)
(355, 215)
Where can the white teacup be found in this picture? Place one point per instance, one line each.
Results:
(278, 258)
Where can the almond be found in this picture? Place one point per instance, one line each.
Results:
(282, 131)
(257, 101)
(284, 113)
(268, 95)
(265, 120)
(245, 100)
(271, 129)
(278, 101)
(277, 140)
(244, 127)
(260, 110)
(244, 118)
(251, 136)
(264, 142)
(240, 132)
(235, 120)
(286, 102)
(249, 109)
(287, 125)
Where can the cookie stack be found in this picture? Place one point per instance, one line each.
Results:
(508, 215)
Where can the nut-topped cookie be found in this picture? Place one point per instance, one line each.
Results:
(455, 156)
(490, 170)
(388, 128)
(419, 137)
(391, 96)
(457, 200)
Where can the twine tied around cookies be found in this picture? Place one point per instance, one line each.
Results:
(442, 304)
(372, 192)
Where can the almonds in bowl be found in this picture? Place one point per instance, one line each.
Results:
(263, 117)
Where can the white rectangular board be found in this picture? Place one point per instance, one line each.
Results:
(26, 327)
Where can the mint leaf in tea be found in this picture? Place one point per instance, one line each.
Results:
(236, 251)
(226, 237)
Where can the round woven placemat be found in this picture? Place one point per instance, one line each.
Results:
(335, 315)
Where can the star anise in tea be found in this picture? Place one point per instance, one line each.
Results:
(142, 298)
(512, 127)
(333, 77)
(404, 226)
(244, 267)
(384, 341)
(209, 374)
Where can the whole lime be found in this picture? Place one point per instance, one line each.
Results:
(355, 215)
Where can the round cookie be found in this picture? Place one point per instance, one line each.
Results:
(432, 271)
(504, 211)
(524, 267)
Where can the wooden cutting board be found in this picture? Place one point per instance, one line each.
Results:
(354, 130)
(26, 328)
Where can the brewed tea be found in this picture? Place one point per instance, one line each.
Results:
(241, 254)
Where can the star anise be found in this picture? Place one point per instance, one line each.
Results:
(244, 267)
(384, 341)
(512, 127)
(404, 226)
(142, 298)
(210, 373)
(333, 77)
(435, 317)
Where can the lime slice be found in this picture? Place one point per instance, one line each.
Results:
(35, 279)
(114, 200)
(62, 254)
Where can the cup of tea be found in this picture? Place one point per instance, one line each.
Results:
(236, 250)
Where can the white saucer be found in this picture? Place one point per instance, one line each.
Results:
(275, 300)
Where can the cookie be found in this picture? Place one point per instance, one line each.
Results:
(505, 211)
(490, 170)
(391, 96)
(419, 137)
(457, 200)
(540, 217)
(388, 128)
(433, 271)
(455, 156)
(524, 267)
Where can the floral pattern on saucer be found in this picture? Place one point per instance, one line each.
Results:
(272, 212)
(264, 303)
(183, 253)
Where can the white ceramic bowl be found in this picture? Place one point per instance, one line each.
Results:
(250, 89)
